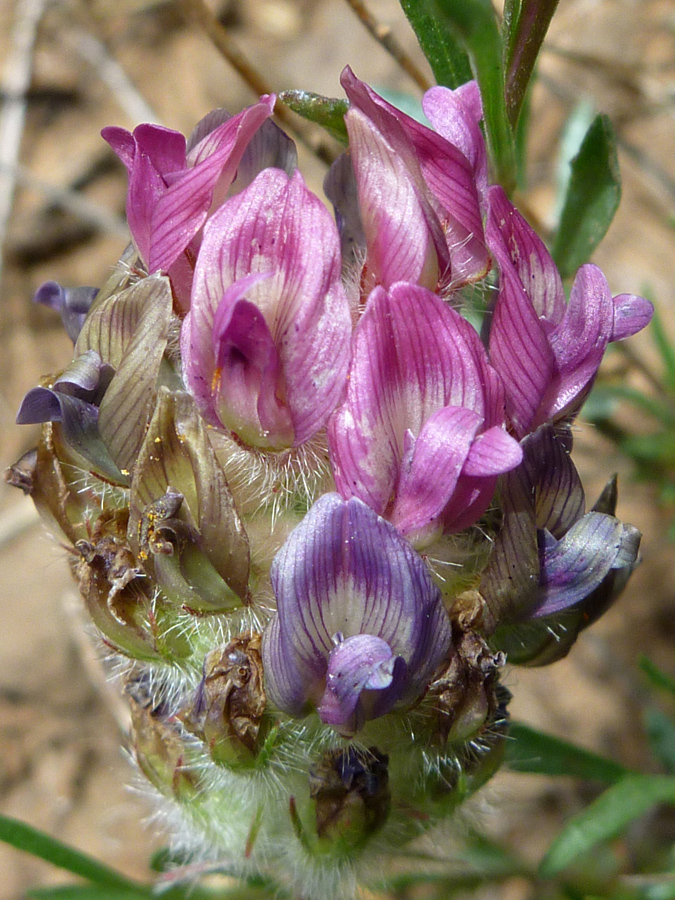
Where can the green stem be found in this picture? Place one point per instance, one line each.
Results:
(525, 34)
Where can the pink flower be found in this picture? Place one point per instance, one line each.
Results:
(266, 343)
(546, 350)
(419, 437)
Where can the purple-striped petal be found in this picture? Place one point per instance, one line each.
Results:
(183, 207)
(400, 232)
(443, 175)
(351, 595)
(249, 384)
(510, 236)
(277, 228)
(419, 392)
(573, 567)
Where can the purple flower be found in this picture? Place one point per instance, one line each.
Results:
(419, 437)
(72, 303)
(73, 402)
(546, 350)
(554, 568)
(420, 192)
(266, 344)
(360, 626)
(173, 185)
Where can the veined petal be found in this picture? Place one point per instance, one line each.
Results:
(631, 314)
(492, 453)
(399, 239)
(249, 390)
(413, 356)
(429, 478)
(575, 566)
(519, 348)
(510, 234)
(182, 208)
(360, 663)
(345, 572)
(277, 227)
(578, 343)
(151, 154)
(456, 116)
(443, 176)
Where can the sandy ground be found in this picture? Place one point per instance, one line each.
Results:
(100, 63)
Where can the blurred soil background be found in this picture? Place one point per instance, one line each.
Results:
(71, 67)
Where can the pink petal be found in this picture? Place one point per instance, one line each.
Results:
(182, 209)
(631, 314)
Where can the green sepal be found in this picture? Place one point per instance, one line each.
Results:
(129, 331)
(210, 565)
(446, 56)
(328, 112)
(592, 198)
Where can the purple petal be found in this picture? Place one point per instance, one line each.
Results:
(182, 209)
(413, 356)
(249, 379)
(72, 303)
(519, 349)
(443, 176)
(576, 565)
(345, 571)
(277, 226)
(151, 154)
(269, 148)
(456, 116)
(631, 314)
(399, 233)
(428, 480)
(360, 663)
(340, 187)
(579, 343)
(509, 233)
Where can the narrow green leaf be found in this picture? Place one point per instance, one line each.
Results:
(657, 677)
(87, 892)
(660, 730)
(327, 112)
(524, 35)
(445, 55)
(592, 198)
(538, 753)
(605, 818)
(37, 843)
(474, 22)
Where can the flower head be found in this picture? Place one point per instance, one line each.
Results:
(360, 627)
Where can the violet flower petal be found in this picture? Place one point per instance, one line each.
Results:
(631, 314)
(360, 663)
(399, 233)
(509, 234)
(572, 568)
(250, 381)
(345, 572)
(72, 303)
(413, 356)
